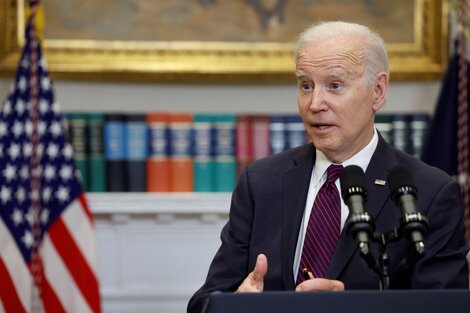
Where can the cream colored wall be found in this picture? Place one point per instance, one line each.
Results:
(130, 97)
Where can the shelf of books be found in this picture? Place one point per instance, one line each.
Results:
(202, 153)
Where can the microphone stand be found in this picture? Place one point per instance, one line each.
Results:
(382, 266)
(384, 261)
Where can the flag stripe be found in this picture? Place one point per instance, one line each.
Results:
(49, 299)
(81, 230)
(2, 309)
(62, 284)
(8, 296)
(86, 208)
(76, 264)
(14, 264)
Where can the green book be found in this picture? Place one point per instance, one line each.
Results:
(224, 152)
(203, 153)
(418, 127)
(97, 165)
(383, 123)
(78, 130)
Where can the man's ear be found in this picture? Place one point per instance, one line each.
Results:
(380, 91)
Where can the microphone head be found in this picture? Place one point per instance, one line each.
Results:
(353, 182)
(400, 182)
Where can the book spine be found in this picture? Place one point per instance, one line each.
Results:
(78, 130)
(260, 134)
(115, 152)
(181, 161)
(97, 167)
(136, 148)
(244, 143)
(418, 128)
(277, 138)
(158, 164)
(383, 123)
(225, 156)
(400, 132)
(296, 135)
(203, 153)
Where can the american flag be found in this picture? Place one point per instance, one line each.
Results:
(47, 244)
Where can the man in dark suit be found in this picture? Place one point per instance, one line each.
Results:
(284, 204)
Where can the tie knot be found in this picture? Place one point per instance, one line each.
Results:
(333, 172)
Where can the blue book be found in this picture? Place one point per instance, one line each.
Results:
(136, 148)
(278, 133)
(296, 135)
(204, 166)
(115, 152)
(225, 152)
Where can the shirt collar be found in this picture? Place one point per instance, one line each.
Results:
(361, 159)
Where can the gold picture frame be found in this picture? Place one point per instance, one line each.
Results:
(213, 62)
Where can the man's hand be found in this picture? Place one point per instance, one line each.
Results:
(320, 284)
(254, 282)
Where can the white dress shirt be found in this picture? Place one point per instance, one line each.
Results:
(318, 178)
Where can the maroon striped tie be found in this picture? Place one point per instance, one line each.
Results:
(323, 229)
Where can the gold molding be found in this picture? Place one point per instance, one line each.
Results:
(213, 62)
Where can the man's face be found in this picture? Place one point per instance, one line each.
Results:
(336, 104)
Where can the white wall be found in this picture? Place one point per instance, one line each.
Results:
(129, 97)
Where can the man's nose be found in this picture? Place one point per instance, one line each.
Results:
(318, 102)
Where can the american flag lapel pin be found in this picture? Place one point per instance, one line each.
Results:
(380, 182)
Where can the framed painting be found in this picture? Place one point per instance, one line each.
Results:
(214, 41)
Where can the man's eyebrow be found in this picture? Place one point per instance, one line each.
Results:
(338, 75)
(299, 74)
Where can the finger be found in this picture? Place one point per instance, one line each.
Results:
(261, 267)
(254, 282)
(338, 285)
(320, 284)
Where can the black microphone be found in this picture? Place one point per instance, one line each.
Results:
(359, 224)
(403, 192)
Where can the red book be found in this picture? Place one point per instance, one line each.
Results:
(260, 136)
(158, 164)
(244, 146)
(181, 160)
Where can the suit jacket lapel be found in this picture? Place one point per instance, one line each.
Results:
(295, 182)
(382, 160)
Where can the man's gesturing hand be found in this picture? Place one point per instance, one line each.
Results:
(320, 284)
(254, 282)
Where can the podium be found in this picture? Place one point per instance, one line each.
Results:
(373, 301)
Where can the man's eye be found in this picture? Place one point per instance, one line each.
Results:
(335, 85)
(306, 86)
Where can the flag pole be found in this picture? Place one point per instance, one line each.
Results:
(462, 119)
(34, 83)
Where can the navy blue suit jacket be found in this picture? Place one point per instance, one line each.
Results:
(267, 208)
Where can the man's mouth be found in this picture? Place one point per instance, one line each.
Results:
(321, 126)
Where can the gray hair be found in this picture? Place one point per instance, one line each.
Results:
(374, 47)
